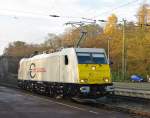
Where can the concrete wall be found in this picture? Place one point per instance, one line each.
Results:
(8, 65)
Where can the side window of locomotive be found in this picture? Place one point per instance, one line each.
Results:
(66, 60)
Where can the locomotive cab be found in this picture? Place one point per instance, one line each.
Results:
(93, 68)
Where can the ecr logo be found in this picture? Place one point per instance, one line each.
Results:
(31, 70)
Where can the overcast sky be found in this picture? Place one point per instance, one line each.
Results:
(28, 20)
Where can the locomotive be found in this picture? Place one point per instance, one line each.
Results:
(73, 72)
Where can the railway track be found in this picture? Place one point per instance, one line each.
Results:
(131, 105)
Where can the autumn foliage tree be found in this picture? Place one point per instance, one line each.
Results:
(138, 42)
(144, 15)
(22, 49)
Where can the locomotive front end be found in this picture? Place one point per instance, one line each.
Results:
(94, 72)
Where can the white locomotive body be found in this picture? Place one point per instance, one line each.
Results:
(60, 73)
(50, 67)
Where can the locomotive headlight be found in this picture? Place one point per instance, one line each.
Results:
(84, 80)
(106, 79)
(93, 68)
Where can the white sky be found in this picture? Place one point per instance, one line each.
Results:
(28, 20)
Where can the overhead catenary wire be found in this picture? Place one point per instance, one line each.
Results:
(94, 17)
(42, 14)
(26, 13)
(18, 13)
(120, 6)
(21, 11)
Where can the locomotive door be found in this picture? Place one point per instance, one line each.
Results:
(64, 72)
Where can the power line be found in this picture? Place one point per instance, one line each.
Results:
(23, 12)
(13, 12)
(124, 5)
(66, 17)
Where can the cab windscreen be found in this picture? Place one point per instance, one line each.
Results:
(91, 58)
